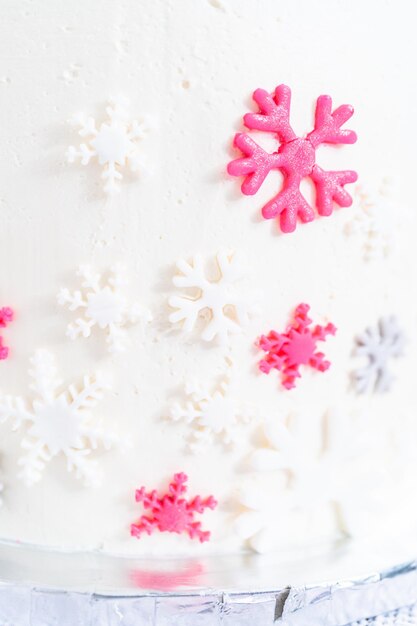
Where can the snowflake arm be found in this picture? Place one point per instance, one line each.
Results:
(187, 413)
(43, 374)
(97, 436)
(255, 165)
(295, 158)
(330, 187)
(90, 279)
(83, 468)
(74, 300)
(274, 113)
(104, 305)
(89, 395)
(83, 153)
(220, 326)
(290, 205)
(33, 462)
(116, 339)
(80, 328)
(87, 125)
(328, 124)
(14, 409)
(186, 311)
(191, 275)
(111, 175)
(260, 523)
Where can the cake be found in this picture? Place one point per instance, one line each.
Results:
(187, 369)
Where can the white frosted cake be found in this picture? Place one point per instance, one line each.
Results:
(208, 312)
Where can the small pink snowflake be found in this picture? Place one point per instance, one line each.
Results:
(6, 316)
(295, 157)
(297, 346)
(171, 512)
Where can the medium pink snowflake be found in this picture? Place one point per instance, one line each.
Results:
(295, 157)
(6, 316)
(297, 346)
(171, 512)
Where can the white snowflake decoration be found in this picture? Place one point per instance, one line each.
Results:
(113, 144)
(58, 422)
(104, 306)
(212, 415)
(268, 516)
(291, 449)
(227, 312)
(309, 480)
(374, 224)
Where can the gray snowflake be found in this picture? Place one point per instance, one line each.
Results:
(378, 344)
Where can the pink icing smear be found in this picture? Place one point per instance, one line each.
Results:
(171, 512)
(6, 316)
(287, 352)
(295, 157)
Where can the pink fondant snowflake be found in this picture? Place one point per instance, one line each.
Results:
(6, 316)
(287, 351)
(171, 512)
(295, 157)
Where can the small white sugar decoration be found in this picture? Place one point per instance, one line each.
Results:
(376, 221)
(104, 305)
(214, 414)
(113, 144)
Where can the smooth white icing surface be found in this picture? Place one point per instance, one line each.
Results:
(190, 67)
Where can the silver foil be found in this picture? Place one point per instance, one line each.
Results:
(342, 584)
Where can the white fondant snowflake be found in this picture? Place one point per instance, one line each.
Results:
(104, 306)
(373, 223)
(58, 422)
(212, 415)
(334, 476)
(227, 311)
(291, 448)
(113, 144)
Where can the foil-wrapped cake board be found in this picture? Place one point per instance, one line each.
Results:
(357, 583)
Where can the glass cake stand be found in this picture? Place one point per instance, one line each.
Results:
(346, 583)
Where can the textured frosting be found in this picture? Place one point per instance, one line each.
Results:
(308, 464)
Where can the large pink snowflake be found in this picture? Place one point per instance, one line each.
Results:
(6, 316)
(295, 157)
(287, 351)
(171, 512)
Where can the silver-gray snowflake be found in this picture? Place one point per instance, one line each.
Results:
(378, 344)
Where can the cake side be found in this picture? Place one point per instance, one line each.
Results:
(188, 70)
